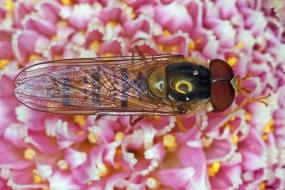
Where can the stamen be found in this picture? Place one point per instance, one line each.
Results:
(262, 186)
(232, 61)
(80, 120)
(29, 154)
(36, 177)
(152, 183)
(214, 168)
(62, 164)
(92, 138)
(34, 57)
(119, 136)
(9, 5)
(235, 139)
(3, 63)
(66, 2)
(192, 46)
(169, 142)
(166, 33)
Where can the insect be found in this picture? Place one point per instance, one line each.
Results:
(128, 85)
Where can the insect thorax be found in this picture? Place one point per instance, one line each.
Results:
(181, 82)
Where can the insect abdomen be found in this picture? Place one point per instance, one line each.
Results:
(157, 83)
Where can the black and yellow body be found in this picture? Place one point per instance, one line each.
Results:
(184, 83)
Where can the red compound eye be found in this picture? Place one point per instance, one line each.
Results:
(221, 70)
(222, 95)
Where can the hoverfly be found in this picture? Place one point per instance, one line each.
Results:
(163, 84)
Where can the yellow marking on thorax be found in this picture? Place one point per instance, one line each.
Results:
(183, 84)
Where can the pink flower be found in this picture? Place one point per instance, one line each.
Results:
(242, 150)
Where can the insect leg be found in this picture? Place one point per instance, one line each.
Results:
(136, 48)
(182, 129)
(133, 123)
(247, 100)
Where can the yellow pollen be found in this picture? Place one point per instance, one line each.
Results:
(235, 139)
(83, 32)
(89, 182)
(264, 137)
(66, 2)
(3, 63)
(247, 116)
(80, 120)
(94, 46)
(198, 40)
(92, 138)
(174, 48)
(239, 45)
(152, 183)
(269, 126)
(103, 170)
(8, 14)
(192, 46)
(108, 55)
(262, 186)
(133, 15)
(61, 24)
(9, 5)
(229, 126)
(112, 23)
(118, 151)
(56, 57)
(34, 57)
(214, 168)
(185, 83)
(232, 118)
(36, 177)
(62, 164)
(119, 136)
(29, 154)
(160, 47)
(169, 141)
(166, 33)
(54, 38)
(232, 61)
(80, 133)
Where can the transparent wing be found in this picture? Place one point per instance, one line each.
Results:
(103, 85)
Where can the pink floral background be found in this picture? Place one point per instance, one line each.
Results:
(243, 150)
